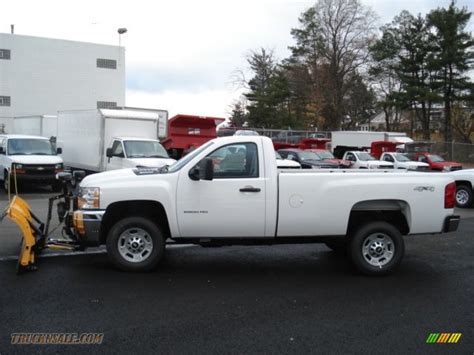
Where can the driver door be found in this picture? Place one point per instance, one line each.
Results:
(230, 205)
(116, 161)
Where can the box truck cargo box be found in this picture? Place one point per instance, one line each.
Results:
(37, 125)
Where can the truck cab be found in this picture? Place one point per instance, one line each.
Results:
(132, 152)
(363, 160)
(29, 159)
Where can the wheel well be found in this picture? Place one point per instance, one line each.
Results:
(463, 182)
(391, 211)
(142, 208)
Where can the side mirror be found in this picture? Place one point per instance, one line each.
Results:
(109, 153)
(204, 170)
(2, 151)
(59, 150)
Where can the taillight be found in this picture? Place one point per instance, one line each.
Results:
(450, 195)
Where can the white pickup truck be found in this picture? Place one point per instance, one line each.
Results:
(244, 200)
(363, 160)
(401, 161)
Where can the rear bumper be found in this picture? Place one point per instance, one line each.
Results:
(451, 223)
(87, 225)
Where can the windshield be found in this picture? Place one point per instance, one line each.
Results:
(436, 158)
(309, 156)
(30, 146)
(144, 149)
(364, 156)
(401, 157)
(325, 155)
(184, 160)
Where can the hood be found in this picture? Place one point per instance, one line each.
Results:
(379, 163)
(149, 162)
(36, 159)
(339, 162)
(415, 164)
(107, 176)
(282, 163)
(445, 163)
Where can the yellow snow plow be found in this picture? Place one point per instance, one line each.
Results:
(34, 232)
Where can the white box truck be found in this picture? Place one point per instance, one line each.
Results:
(108, 139)
(342, 141)
(37, 125)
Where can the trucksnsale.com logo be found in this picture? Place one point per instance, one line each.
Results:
(442, 338)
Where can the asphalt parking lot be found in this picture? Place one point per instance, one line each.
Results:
(279, 299)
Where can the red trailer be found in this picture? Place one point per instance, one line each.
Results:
(187, 132)
(314, 143)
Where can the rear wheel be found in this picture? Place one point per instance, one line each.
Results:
(463, 196)
(377, 248)
(5, 181)
(135, 244)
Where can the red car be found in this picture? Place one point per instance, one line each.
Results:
(329, 157)
(436, 162)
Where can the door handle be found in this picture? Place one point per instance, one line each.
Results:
(250, 189)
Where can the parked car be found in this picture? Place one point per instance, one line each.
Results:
(308, 160)
(248, 202)
(29, 159)
(436, 162)
(246, 132)
(326, 155)
(286, 163)
(401, 161)
(464, 187)
(363, 160)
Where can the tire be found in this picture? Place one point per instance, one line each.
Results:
(377, 248)
(5, 181)
(339, 247)
(135, 244)
(464, 196)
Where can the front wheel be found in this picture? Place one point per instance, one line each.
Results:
(135, 244)
(377, 248)
(463, 196)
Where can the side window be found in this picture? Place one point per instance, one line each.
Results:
(235, 161)
(422, 159)
(291, 156)
(351, 157)
(284, 155)
(117, 149)
(388, 158)
(3, 145)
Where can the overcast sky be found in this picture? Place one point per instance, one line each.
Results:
(180, 55)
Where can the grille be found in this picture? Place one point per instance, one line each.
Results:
(39, 169)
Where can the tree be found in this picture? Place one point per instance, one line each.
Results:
(453, 56)
(332, 42)
(238, 114)
(268, 91)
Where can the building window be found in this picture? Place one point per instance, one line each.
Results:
(106, 104)
(4, 54)
(106, 63)
(4, 100)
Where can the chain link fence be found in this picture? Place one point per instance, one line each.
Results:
(459, 152)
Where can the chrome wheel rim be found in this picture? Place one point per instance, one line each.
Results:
(378, 249)
(462, 197)
(135, 245)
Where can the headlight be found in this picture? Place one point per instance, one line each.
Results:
(18, 166)
(88, 198)
(58, 166)
(446, 168)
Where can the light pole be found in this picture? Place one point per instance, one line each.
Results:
(121, 31)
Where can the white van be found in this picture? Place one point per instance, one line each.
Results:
(29, 159)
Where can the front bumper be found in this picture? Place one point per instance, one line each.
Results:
(451, 223)
(86, 224)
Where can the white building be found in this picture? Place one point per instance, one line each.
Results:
(41, 76)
